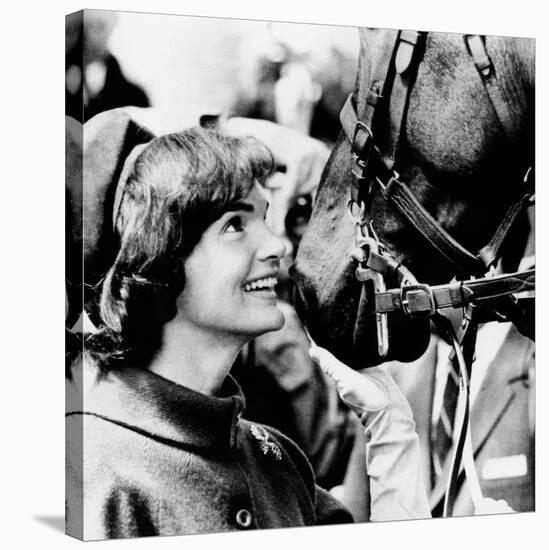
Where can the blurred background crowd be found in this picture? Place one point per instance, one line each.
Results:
(296, 75)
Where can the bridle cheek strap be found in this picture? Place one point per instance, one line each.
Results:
(476, 47)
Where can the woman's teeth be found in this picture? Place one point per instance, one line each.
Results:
(261, 284)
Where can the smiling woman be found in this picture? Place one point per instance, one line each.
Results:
(192, 232)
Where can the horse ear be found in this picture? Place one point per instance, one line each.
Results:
(96, 166)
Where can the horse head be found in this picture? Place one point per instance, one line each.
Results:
(456, 159)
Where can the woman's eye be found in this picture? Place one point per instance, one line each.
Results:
(234, 225)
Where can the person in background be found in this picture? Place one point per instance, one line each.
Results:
(297, 82)
(94, 80)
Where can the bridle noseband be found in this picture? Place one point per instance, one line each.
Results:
(373, 157)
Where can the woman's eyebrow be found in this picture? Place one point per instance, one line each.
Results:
(244, 206)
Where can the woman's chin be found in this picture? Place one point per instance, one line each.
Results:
(280, 320)
(269, 322)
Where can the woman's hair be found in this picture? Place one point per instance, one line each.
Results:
(178, 186)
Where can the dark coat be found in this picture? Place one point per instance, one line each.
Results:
(161, 459)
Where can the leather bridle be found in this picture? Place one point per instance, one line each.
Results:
(373, 158)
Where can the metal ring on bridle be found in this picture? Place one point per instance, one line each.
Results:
(359, 219)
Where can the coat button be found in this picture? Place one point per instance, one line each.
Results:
(244, 519)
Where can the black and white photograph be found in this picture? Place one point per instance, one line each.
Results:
(299, 281)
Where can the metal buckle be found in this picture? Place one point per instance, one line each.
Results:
(417, 300)
(361, 148)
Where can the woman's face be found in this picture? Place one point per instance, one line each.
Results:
(231, 274)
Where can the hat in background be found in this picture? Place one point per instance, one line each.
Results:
(98, 157)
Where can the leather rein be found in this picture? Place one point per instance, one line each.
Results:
(373, 159)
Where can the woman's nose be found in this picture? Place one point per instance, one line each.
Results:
(272, 246)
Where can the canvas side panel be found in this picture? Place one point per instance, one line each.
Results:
(74, 457)
(73, 272)
(74, 54)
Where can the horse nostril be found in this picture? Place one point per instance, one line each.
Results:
(295, 272)
(292, 269)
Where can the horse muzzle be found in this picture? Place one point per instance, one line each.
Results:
(339, 312)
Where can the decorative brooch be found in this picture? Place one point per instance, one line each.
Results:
(265, 444)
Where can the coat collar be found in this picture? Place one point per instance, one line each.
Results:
(150, 404)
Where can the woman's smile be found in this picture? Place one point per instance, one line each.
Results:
(263, 287)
